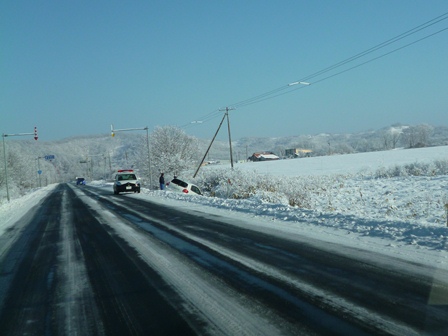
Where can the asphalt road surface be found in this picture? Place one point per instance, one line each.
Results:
(87, 262)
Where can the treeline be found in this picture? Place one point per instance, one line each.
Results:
(173, 152)
(94, 158)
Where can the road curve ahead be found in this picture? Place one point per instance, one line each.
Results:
(87, 262)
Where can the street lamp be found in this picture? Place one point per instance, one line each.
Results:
(295, 83)
(113, 131)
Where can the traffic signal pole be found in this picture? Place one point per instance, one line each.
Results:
(4, 155)
(113, 131)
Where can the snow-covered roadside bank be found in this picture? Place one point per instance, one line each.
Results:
(403, 216)
(12, 211)
(395, 198)
(424, 244)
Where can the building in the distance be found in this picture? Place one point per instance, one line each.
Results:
(263, 156)
(297, 152)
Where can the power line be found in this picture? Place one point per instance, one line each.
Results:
(269, 95)
(250, 100)
(361, 64)
(380, 46)
(381, 56)
(203, 119)
(285, 89)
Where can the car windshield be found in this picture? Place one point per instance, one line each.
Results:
(126, 177)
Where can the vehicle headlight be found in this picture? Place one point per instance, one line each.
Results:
(118, 183)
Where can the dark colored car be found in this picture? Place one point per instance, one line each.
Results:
(80, 181)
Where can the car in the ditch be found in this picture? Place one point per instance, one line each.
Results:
(126, 181)
(181, 186)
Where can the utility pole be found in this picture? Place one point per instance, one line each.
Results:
(206, 152)
(91, 165)
(227, 109)
(226, 115)
(446, 209)
(39, 172)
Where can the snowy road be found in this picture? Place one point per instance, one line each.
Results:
(88, 262)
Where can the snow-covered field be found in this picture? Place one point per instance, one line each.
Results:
(348, 163)
(403, 216)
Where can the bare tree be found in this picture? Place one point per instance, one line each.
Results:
(410, 136)
(417, 136)
(395, 136)
(423, 132)
(280, 151)
(386, 139)
(390, 137)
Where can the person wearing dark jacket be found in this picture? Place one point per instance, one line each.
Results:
(162, 181)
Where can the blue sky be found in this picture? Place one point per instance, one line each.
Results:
(75, 67)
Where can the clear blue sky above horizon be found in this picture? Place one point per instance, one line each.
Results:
(74, 67)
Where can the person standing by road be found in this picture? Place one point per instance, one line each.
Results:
(162, 181)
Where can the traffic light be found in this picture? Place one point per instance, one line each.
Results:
(35, 133)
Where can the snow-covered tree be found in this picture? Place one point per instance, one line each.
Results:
(390, 137)
(172, 151)
(417, 136)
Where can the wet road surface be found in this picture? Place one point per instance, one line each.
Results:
(87, 262)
